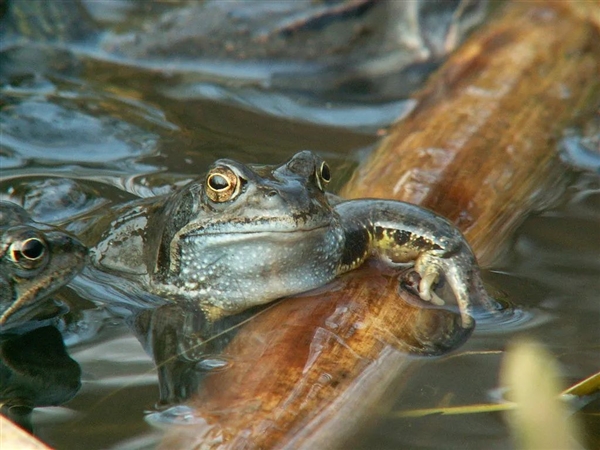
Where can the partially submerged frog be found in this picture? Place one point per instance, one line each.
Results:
(35, 260)
(246, 235)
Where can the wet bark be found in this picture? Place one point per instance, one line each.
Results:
(11, 436)
(481, 149)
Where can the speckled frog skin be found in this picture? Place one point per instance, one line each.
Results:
(246, 235)
(35, 260)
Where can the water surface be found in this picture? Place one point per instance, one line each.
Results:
(98, 132)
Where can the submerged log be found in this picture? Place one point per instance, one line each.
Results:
(480, 148)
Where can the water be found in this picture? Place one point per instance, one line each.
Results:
(98, 131)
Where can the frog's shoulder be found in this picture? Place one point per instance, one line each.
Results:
(334, 199)
(125, 242)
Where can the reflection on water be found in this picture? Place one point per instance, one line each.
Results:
(53, 200)
(100, 126)
(35, 370)
(184, 347)
(46, 131)
(337, 51)
(64, 123)
(355, 115)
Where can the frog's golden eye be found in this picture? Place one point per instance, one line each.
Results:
(222, 184)
(323, 175)
(28, 253)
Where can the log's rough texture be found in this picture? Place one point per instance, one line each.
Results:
(285, 377)
(480, 149)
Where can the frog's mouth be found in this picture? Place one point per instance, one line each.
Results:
(18, 315)
(256, 231)
(250, 227)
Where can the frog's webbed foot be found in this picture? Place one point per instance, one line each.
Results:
(458, 271)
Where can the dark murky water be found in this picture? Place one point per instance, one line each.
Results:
(95, 131)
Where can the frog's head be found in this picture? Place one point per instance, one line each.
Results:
(290, 197)
(240, 202)
(35, 260)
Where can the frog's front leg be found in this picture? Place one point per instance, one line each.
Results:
(405, 233)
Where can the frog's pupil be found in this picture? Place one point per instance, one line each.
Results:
(218, 182)
(325, 172)
(32, 248)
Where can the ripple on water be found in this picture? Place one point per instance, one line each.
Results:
(581, 147)
(367, 118)
(47, 131)
(176, 415)
(52, 200)
(520, 304)
(65, 122)
(510, 319)
(216, 363)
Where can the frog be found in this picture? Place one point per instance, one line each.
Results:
(244, 235)
(35, 260)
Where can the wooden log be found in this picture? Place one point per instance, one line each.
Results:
(481, 149)
(316, 349)
(13, 437)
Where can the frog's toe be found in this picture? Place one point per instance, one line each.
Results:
(436, 299)
(425, 295)
(426, 288)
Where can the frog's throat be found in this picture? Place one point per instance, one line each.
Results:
(174, 259)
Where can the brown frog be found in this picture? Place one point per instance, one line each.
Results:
(35, 260)
(245, 235)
